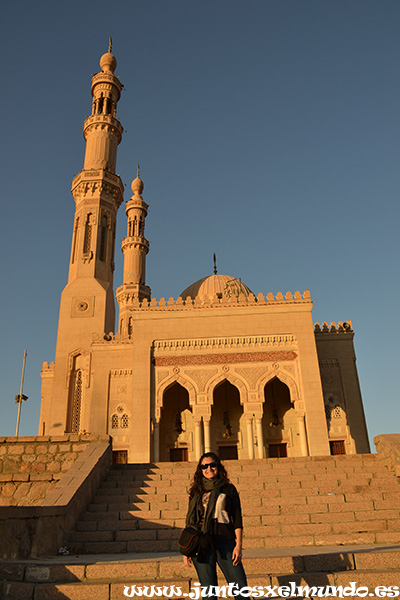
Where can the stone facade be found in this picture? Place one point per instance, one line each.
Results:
(217, 368)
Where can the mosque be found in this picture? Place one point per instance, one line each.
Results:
(215, 369)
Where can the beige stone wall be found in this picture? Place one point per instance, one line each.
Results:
(388, 448)
(199, 345)
(341, 388)
(30, 467)
(39, 529)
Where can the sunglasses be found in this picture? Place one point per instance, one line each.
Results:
(212, 465)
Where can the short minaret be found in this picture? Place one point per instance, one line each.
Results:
(135, 248)
(87, 305)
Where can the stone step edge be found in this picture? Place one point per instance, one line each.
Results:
(111, 590)
(120, 572)
(171, 568)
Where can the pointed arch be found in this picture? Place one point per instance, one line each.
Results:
(284, 378)
(235, 380)
(167, 383)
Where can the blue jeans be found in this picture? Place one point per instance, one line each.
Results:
(207, 571)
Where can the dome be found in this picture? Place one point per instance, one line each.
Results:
(224, 286)
(137, 186)
(108, 62)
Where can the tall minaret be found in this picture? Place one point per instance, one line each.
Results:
(87, 302)
(135, 248)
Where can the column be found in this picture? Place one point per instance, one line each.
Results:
(197, 438)
(260, 438)
(207, 437)
(303, 434)
(156, 441)
(250, 436)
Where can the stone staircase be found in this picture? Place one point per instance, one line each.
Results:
(63, 578)
(318, 521)
(286, 502)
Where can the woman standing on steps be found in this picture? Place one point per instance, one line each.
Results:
(214, 506)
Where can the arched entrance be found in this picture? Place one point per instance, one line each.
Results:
(176, 425)
(225, 420)
(279, 420)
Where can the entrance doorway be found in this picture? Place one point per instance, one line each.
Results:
(225, 420)
(279, 420)
(176, 425)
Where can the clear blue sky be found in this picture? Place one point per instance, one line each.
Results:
(267, 131)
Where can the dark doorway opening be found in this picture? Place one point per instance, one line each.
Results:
(337, 447)
(120, 457)
(228, 452)
(178, 454)
(277, 450)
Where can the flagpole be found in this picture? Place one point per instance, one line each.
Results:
(20, 397)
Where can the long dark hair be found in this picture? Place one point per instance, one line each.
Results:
(196, 486)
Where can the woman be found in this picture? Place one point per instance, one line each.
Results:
(214, 506)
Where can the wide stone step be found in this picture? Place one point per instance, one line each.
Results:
(105, 580)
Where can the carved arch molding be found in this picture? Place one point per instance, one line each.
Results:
(249, 370)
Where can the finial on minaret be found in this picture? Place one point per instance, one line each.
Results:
(215, 264)
(110, 44)
(138, 170)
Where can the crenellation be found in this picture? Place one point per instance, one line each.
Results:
(131, 301)
(340, 327)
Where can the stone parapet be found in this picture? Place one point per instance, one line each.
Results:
(31, 466)
(388, 448)
(49, 502)
(340, 327)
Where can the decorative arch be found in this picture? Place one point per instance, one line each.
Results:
(235, 380)
(85, 366)
(284, 378)
(167, 383)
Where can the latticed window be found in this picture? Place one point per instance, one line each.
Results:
(88, 234)
(125, 421)
(328, 412)
(74, 243)
(103, 238)
(76, 404)
(337, 447)
(114, 422)
(337, 412)
(130, 326)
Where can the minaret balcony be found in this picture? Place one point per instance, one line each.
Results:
(135, 241)
(95, 175)
(102, 119)
(108, 78)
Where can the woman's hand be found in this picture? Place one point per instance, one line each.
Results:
(187, 561)
(237, 554)
(237, 551)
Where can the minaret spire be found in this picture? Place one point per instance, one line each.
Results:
(98, 192)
